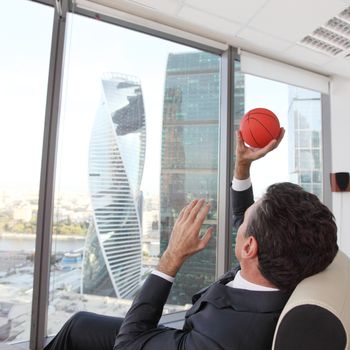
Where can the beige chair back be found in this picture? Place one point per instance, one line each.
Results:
(317, 315)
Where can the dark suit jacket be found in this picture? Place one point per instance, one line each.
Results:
(220, 318)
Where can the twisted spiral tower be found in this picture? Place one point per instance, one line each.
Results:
(112, 257)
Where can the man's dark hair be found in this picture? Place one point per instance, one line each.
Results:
(296, 235)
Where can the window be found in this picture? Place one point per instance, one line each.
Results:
(300, 153)
(24, 65)
(298, 158)
(138, 141)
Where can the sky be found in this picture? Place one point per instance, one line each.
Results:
(24, 61)
(272, 95)
(93, 48)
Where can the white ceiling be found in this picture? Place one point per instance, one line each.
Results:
(272, 28)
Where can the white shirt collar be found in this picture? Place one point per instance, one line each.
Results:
(241, 283)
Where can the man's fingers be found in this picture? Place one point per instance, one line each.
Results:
(206, 238)
(202, 214)
(280, 137)
(196, 209)
(181, 213)
(188, 208)
(239, 138)
(260, 152)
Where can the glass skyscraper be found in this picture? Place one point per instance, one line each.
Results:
(305, 139)
(239, 95)
(189, 164)
(238, 112)
(112, 257)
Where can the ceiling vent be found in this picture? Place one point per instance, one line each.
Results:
(321, 45)
(339, 26)
(333, 38)
(345, 14)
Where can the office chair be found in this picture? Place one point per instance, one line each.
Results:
(317, 315)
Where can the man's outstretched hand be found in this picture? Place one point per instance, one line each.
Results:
(246, 155)
(185, 240)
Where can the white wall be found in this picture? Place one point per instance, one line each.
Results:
(340, 131)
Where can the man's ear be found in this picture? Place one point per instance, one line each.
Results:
(250, 248)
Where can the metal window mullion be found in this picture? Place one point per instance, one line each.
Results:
(326, 149)
(46, 191)
(223, 249)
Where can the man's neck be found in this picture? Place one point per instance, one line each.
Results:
(256, 277)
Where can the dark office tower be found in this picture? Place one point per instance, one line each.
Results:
(112, 257)
(305, 139)
(238, 109)
(189, 167)
(238, 103)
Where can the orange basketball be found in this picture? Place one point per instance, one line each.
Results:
(259, 126)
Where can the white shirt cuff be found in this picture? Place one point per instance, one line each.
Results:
(241, 185)
(163, 275)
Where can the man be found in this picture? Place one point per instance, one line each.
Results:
(284, 237)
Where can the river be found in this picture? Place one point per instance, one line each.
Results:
(26, 243)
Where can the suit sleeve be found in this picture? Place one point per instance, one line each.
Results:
(140, 328)
(241, 201)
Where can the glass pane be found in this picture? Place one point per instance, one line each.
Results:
(298, 158)
(239, 108)
(25, 36)
(138, 141)
(300, 153)
(189, 157)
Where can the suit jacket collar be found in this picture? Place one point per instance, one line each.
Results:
(227, 277)
(222, 296)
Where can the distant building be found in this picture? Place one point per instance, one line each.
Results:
(305, 139)
(70, 261)
(189, 166)
(238, 110)
(23, 212)
(112, 257)
(239, 95)
(151, 247)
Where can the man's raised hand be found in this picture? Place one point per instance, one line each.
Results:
(185, 239)
(246, 155)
